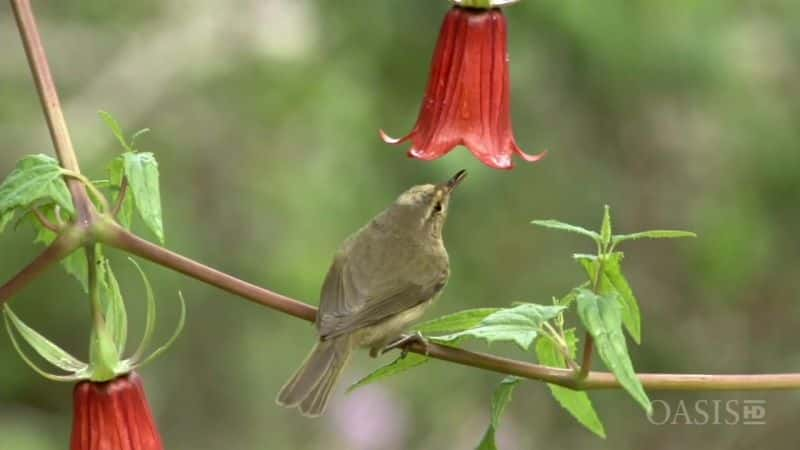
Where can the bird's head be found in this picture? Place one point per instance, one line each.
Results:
(425, 207)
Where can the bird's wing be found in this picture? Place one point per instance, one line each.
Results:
(383, 306)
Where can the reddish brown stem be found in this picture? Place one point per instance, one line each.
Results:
(65, 244)
(120, 238)
(40, 69)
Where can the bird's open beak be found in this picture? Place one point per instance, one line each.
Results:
(457, 178)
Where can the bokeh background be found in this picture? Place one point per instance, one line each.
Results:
(679, 114)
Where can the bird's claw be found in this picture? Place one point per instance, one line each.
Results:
(404, 342)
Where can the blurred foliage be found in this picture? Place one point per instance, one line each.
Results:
(679, 114)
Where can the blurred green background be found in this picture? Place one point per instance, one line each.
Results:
(679, 114)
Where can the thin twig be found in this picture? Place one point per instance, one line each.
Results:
(40, 69)
(44, 220)
(123, 191)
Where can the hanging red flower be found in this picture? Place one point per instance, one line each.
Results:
(113, 415)
(467, 98)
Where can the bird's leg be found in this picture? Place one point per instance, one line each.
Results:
(405, 341)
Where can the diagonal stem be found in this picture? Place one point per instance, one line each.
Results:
(64, 244)
(40, 69)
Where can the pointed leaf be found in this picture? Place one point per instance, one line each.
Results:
(500, 399)
(36, 177)
(631, 317)
(51, 352)
(556, 225)
(116, 316)
(614, 282)
(171, 340)
(602, 318)
(519, 325)
(80, 375)
(653, 234)
(605, 228)
(459, 321)
(115, 128)
(577, 403)
(141, 169)
(398, 366)
(150, 320)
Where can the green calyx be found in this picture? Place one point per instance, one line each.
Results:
(108, 336)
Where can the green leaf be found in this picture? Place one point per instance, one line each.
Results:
(150, 320)
(75, 376)
(398, 366)
(103, 357)
(459, 321)
(116, 172)
(605, 228)
(74, 264)
(653, 234)
(500, 399)
(115, 128)
(116, 316)
(631, 317)
(602, 318)
(519, 324)
(51, 352)
(142, 172)
(36, 177)
(612, 283)
(159, 351)
(556, 225)
(5, 219)
(576, 403)
(136, 135)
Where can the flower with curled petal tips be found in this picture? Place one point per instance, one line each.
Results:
(467, 101)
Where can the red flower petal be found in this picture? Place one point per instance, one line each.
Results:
(113, 416)
(467, 100)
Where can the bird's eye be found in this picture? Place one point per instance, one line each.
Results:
(437, 207)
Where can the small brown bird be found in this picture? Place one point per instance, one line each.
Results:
(381, 280)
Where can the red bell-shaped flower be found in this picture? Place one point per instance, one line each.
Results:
(467, 98)
(113, 415)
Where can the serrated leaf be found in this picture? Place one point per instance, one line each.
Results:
(557, 225)
(614, 282)
(602, 318)
(653, 234)
(500, 399)
(35, 177)
(519, 324)
(115, 128)
(459, 321)
(51, 352)
(398, 366)
(605, 228)
(631, 317)
(142, 172)
(577, 403)
(74, 264)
